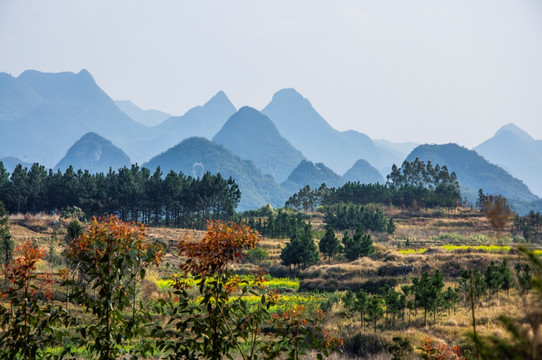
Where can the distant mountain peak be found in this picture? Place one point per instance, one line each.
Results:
(289, 95)
(521, 134)
(220, 99)
(95, 153)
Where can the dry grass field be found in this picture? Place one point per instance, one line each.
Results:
(428, 230)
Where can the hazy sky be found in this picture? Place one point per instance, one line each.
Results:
(417, 70)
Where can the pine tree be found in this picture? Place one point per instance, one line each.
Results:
(329, 245)
(358, 246)
(506, 276)
(6, 243)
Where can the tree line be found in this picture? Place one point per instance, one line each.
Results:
(414, 184)
(133, 194)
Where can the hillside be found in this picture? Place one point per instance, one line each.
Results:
(93, 153)
(516, 152)
(146, 117)
(297, 120)
(309, 173)
(194, 156)
(251, 135)
(363, 172)
(474, 172)
(73, 105)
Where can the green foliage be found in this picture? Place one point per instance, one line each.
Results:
(75, 229)
(359, 245)
(28, 326)
(224, 321)
(72, 212)
(529, 226)
(523, 340)
(133, 193)
(329, 244)
(280, 226)
(401, 349)
(115, 256)
(6, 243)
(348, 217)
(301, 250)
(256, 255)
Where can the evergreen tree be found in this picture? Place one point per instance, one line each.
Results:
(507, 280)
(359, 246)
(6, 243)
(329, 245)
(390, 229)
(301, 250)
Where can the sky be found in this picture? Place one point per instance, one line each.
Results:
(425, 71)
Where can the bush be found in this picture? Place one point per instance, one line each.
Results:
(363, 345)
(256, 256)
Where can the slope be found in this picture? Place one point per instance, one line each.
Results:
(194, 156)
(252, 136)
(308, 173)
(474, 172)
(95, 154)
(308, 131)
(518, 153)
(146, 117)
(74, 105)
(363, 172)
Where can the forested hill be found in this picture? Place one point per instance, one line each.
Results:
(195, 156)
(308, 173)
(474, 172)
(251, 135)
(363, 172)
(94, 153)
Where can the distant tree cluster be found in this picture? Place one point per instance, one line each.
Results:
(308, 199)
(345, 217)
(425, 292)
(133, 194)
(277, 226)
(414, 184)
(529, 226)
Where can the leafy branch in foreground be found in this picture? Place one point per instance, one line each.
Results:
(114, 257)
(28, 324)
(219, 321)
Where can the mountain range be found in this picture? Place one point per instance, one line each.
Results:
(67, 119)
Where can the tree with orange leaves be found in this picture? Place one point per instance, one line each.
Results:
(113, 255)
(27, 326)
(220, 322)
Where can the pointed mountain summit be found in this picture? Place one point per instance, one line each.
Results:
(94, 153)
(474, 172)
(363, 172)
(309, 132)
(200, 121)
(73, 105)
(146, 117)
(512, 128)
(195, 156)
(252, 136)
(517, 152)
(309, 173)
